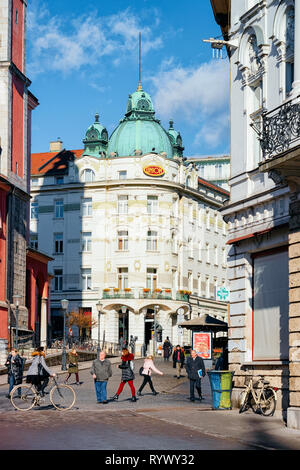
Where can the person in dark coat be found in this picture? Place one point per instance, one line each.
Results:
(167, 347)
(127, 374)
(73, 365)
(178, 360)
(14, 366)
(195, 363)
(222, 362)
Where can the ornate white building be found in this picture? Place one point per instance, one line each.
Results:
(130, 225)
(263, 44)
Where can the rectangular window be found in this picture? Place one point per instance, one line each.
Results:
(86, 241)
(122, 204)
(58, 280)
(271, 306)
(34, 210)
(58, 243)
(216, 260)
(34, 241)
(86, 206)
(151, 278)
(34, 182)
(86, 279)
(59, 208)
(122, 175)
(190, 248)
(207, 253)
(152, 204)
(122, 278)
(59, 180)
(122, 240)
(151, 240)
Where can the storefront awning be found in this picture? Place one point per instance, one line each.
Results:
(205, 321)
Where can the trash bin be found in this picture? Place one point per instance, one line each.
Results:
(221, 387)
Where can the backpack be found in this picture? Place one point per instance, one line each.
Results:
(141, 371)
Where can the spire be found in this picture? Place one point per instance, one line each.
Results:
(139, 88)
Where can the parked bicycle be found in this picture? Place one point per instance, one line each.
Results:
(25, 397)
(259, 396)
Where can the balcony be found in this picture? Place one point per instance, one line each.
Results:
(280, 143)
(137, 293)
(280, 130)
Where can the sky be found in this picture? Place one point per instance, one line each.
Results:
(82, 59)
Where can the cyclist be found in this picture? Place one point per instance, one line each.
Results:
(34, 377)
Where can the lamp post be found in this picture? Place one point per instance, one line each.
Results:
(156, 308)
(124, 309)
(99, 309)
(64, 304)
(17, 297)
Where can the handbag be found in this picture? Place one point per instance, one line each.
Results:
(72, 365)
(141, 371)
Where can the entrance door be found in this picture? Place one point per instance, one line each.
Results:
(123, 326)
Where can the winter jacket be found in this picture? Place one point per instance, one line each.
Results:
(175, 357)
(149, 367)
(38, 357)
(14, 367)
(193, 365)
(102, 370)
(127, 372)
(73, 359)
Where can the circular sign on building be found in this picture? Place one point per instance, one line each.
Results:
(154, 170)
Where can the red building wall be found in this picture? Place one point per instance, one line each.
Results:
(17, 158)
(17, 33)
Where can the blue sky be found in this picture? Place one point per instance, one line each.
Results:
(82, 58)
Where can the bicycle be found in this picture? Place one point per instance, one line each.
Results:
(261, 399)
(25, 397)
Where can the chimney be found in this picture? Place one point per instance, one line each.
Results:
(56, 145)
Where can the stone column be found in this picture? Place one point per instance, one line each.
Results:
(293, 412)
(296, 83)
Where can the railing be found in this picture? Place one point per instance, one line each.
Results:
(162, 294)
(281, 128)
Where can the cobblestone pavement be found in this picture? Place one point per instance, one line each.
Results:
(166, 421)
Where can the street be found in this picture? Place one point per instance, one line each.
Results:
(168, 421)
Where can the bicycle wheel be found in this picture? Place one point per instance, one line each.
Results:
(62, 397)
(23, 397)
(243, 401)
(267, 404)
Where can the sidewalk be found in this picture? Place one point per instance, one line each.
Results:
(172, 406)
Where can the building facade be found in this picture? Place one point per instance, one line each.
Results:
(130, 225)
(262, 40)
(17, 104)
(213, 168)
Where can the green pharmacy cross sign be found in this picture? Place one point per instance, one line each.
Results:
(222, 293)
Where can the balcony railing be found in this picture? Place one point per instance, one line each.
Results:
(161, 294)
(280, 129)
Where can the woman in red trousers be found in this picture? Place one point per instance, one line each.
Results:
(127, 374)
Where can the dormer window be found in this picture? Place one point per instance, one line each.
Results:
(87, 176)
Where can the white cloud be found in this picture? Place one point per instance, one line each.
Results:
(55, 44)
(199, 95)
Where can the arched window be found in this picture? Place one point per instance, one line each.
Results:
(87, 176)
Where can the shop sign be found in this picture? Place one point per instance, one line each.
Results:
(154, 170)
(202, 344)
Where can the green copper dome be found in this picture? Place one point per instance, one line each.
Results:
(139, 132)
(96, 139)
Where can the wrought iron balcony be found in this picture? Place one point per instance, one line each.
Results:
(137, 293)
(280, 129)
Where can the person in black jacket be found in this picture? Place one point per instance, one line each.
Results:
(14, 366)
(178, 360)
(195, 363)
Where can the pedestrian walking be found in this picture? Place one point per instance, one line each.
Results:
(14, 364)
(101, 371)
(38, 373)
(70, 338)
(194, 364)
(167, 348)
(146, 372)
(222, 361)
(127, 374)
(73, 365)
(178, 360)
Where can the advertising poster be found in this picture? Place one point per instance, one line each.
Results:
(202, 344)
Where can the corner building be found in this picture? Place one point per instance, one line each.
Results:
(132, 226)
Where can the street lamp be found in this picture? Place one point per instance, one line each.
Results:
(64, 304)
(17, 297)
(99, 309)
(124, 310)
(156, 308)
